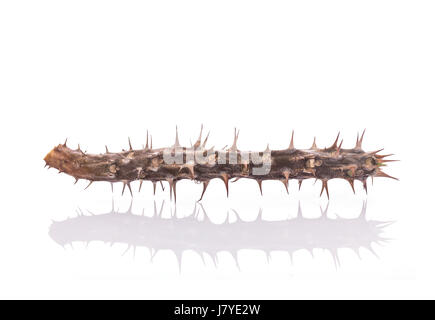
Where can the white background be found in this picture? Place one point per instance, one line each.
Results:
(100, 71)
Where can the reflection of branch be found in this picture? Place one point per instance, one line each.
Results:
(205, 237)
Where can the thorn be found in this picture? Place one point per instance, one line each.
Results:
(364, 182)
(375, 152)
(174, 190)
(77, 179)
(192, 170)
(286, 175)
(334, 145)
(285, 182)
(325, 187)
(204, 187)
(314, 146)
(351, 182)
(111, 186)
(131, 193)
(224, 177)
(260, 186)
(379, 156)
(380, 173)
(177, 142)
(140, 185)
(190, 167)
(236, 136)
(161, 184)
(107, 150)
(154, 187)
(337, 153)
(151, 142)
(372, 180)
(300, 184)
(129, 143)
(205, 140)
(359, 142)
(292, 146)
(90, 182)
(129, 188)
(386, 160)
(64, 144)
(172, 185)
(171, 182)
(362, 137)
(146, 145)
(78, 147)
(198, 142)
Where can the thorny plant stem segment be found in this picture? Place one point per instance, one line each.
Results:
(201, 164)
